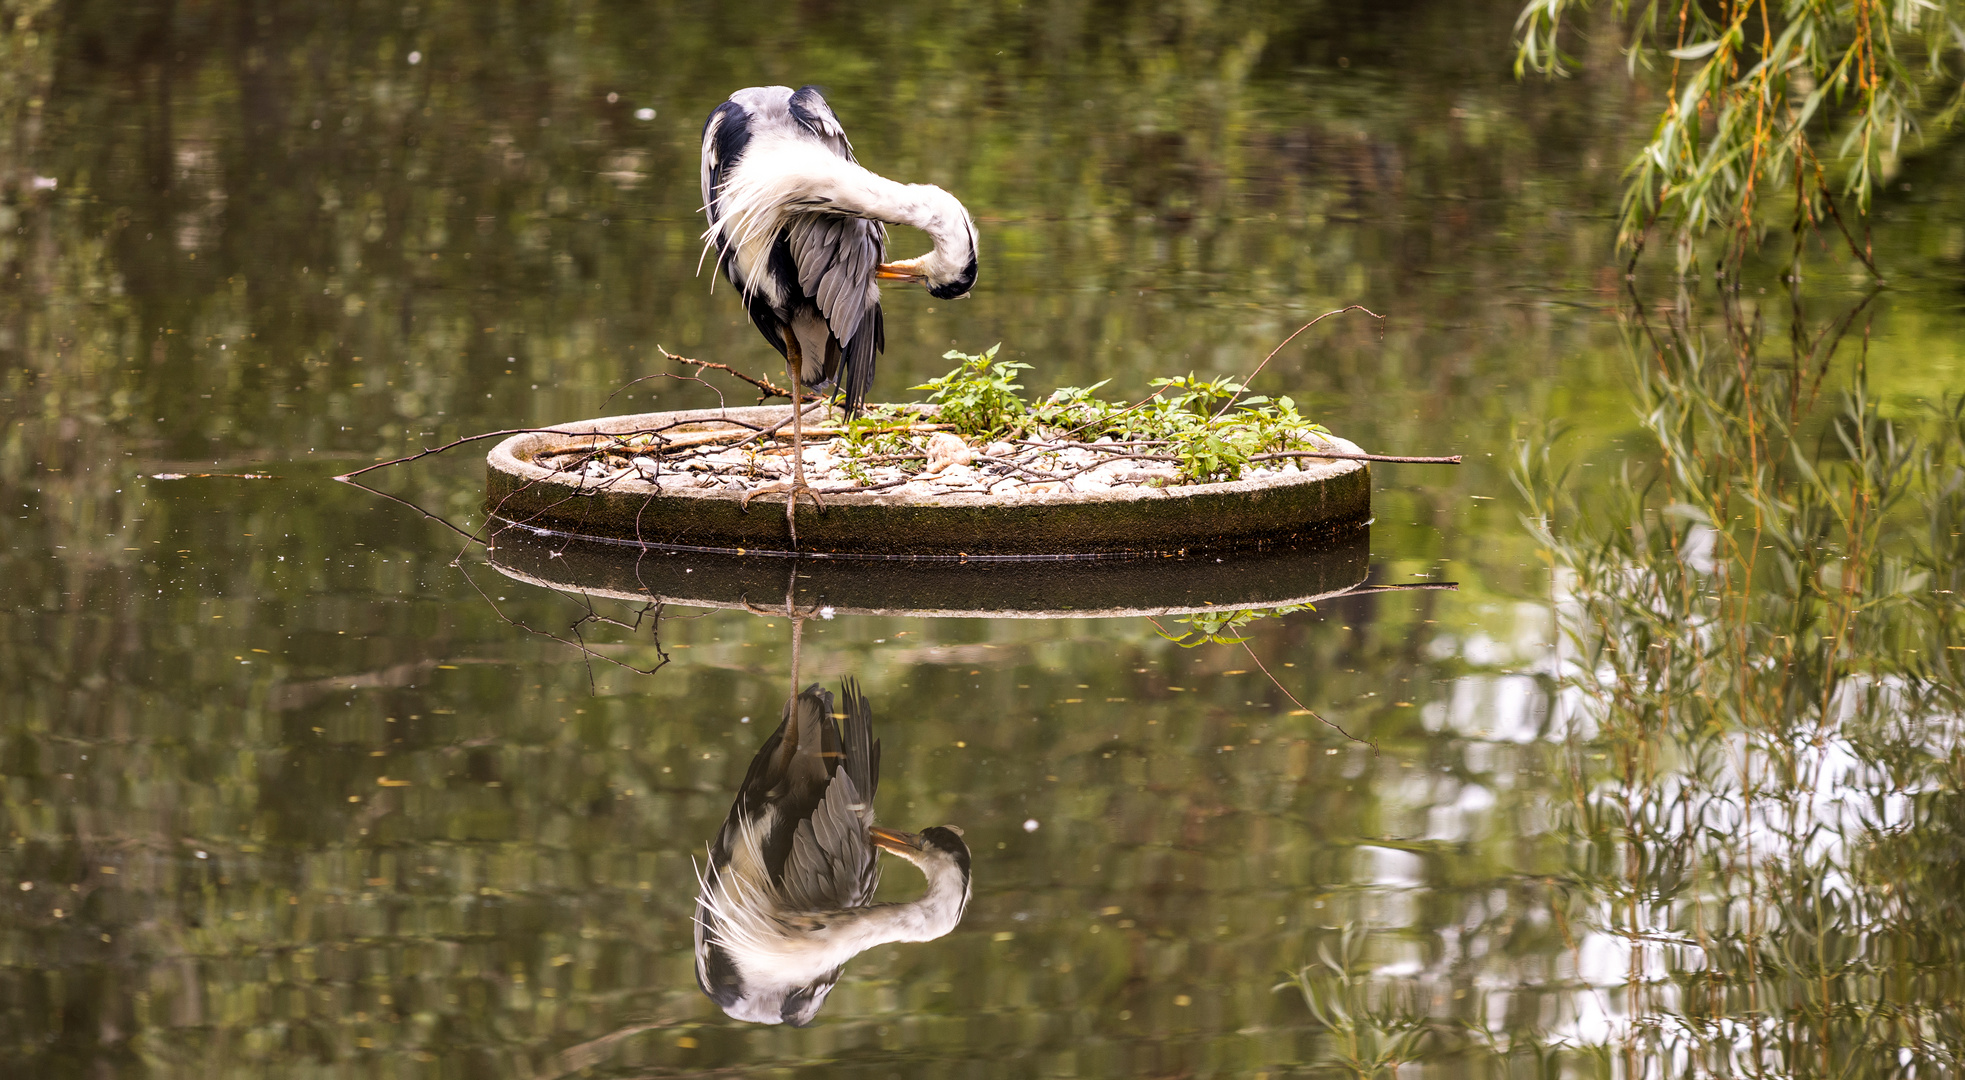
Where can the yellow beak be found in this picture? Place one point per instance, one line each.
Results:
(894, 840)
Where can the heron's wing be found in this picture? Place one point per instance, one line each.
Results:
(862, 749)
(831, 865)
(785, 783)
(860, 352)
(809, 108)
(835, 255)
(725, 134)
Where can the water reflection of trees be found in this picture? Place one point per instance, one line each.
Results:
(1756, 862)
(1761, 686)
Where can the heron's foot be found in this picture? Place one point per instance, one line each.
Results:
(788, 610)
(792, 489)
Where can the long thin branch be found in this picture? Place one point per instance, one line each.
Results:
(1226, 405)
(720, 403)
(453, 444)
(764, 385)
(1314, 713)
(1451, 459)
(457, 442)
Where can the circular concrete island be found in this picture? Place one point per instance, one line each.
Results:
(908, 488)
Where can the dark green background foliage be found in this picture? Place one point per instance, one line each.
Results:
(254, 240)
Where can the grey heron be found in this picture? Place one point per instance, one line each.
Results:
(786, 898)
(799, 228)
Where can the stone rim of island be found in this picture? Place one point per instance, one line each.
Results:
(1309, 503)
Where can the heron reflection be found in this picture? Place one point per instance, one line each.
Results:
(787, 897)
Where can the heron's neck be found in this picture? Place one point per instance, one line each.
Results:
(783, 177)
(935, 914)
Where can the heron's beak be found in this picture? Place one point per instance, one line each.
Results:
(900, 271)
(900, 843)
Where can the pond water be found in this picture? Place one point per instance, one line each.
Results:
(294, 780)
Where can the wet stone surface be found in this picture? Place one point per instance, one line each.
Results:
(928, 464)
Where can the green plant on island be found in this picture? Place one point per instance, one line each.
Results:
(872, 436)
(1204, 426)
(978, 398)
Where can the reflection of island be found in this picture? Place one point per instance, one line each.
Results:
(786, 900)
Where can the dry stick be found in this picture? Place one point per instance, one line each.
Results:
(592, 1052)
(869, 487)
(763, 385)
(720, 403)
(445, 522)
(1226, 405)
(1011, 463)
(470, 537)
(684, 442)
(454, 443)
(1416, 586)
(582, 646)
(1451, 459)
(1286, 691)
(1314, 713)
(1121, 412)
(1078, 444)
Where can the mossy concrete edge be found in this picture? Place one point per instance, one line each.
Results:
(1281, 509)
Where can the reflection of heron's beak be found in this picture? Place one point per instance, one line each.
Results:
(900, 271)
(900, 843)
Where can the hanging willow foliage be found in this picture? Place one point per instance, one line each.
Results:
(1773, 107)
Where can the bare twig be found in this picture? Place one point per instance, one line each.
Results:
(666, 375)
(1451, 459)
(592, 1052)
(763, 385)
(453, 444)
(1319, 717)
(1230, 403)
(438, 518)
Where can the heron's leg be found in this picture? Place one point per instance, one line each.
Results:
(797, 485)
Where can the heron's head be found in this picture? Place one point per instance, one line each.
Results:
(945, 279)
(949, 271)
(939, 851)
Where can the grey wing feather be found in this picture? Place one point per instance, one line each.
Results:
(861, 349)
(833, 863)
(836, 256)
(831, 855)
(862, 749)
(808, 107)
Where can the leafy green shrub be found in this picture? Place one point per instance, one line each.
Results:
(979, 398)
(1204, 425)
(1199, 421)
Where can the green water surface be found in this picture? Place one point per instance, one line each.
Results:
(292, 782)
